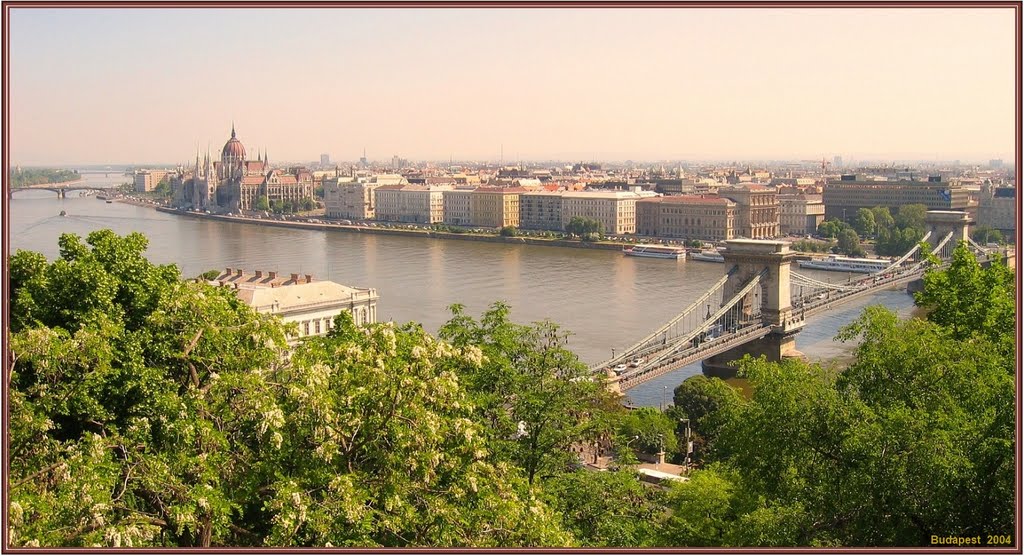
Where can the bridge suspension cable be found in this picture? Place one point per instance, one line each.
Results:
(942, 244)
(800, 279)
(725, 308)
(630, 351)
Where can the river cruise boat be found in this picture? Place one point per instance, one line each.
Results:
(655, 251)
(846, 264)
(709, 255)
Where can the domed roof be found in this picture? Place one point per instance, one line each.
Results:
(233, 148)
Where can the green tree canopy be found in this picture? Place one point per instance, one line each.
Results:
(708, 403)
(652, 429)
(864, 222)
(535, 396)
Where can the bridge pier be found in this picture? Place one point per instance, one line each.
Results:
(752, 257)
(774, 347)
(941, 222)
(61, 193)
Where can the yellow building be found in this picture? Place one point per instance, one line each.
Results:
(495, 207)
(615, 210)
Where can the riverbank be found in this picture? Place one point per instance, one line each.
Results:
(432, 234)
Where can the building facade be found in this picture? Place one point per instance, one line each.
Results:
(844, 197)
(615, 210)
(704, 217)
(541, 211)
(299, 299)
(997, 208)
(419, 204)
(147, 180)
(457, 207)
(757, 210)
(345, 197)
(800, 214)
(495, 207)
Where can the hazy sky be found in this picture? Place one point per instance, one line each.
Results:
(148, 85)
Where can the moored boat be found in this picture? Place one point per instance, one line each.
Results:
(710, 256)
(846, 264)
(655, 251)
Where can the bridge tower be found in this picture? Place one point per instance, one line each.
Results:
(941, 222)
(751, 257)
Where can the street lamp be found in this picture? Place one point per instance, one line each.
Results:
(661, 451)
(689, 445)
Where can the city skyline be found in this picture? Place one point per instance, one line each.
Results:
(537, 84)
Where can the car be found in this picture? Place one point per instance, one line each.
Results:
(620, 367)
(636, 362)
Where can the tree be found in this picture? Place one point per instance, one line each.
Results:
(262, 203)
(584, 228)
(849, 243)
(163, 189)
(307, 204)
(534, 396)
(509, 231)
(150, 411)
(606, 509)
(911, 216)
(653, 430)
(708, 403)
(985, 235)
(831, 228)
(864, 222)
(883, 218)
(971, 300)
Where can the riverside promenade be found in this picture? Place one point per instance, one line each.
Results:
(432, 234)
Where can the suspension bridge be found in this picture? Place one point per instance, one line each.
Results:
(760, 305)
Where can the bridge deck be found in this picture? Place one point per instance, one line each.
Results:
(692, 355)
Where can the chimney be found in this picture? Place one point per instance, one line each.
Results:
(295, 278)
(259, 274)
(309, 278)
(227, 271)
(238, 272)
(273, 274)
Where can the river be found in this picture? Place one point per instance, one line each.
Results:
(605, 300)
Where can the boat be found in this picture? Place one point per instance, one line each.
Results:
(63, 213)
(846, 264)
(655, 251)
(109, 201)
(710, 256)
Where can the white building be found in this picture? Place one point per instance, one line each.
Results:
(299, 299)
(421, 204)
(457, 206)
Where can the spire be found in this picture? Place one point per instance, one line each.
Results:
(232, 129)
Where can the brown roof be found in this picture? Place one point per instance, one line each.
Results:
(393, 187)
(489, 189)
(689, 200)
(252, 180)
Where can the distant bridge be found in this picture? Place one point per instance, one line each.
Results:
(760, 305)
(60, 189)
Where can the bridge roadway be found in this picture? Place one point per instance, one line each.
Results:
(59, 188)
(811, 305)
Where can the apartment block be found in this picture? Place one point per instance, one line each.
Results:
(704, 217)
(800, 214)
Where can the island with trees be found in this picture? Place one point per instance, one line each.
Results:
(24, 177)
